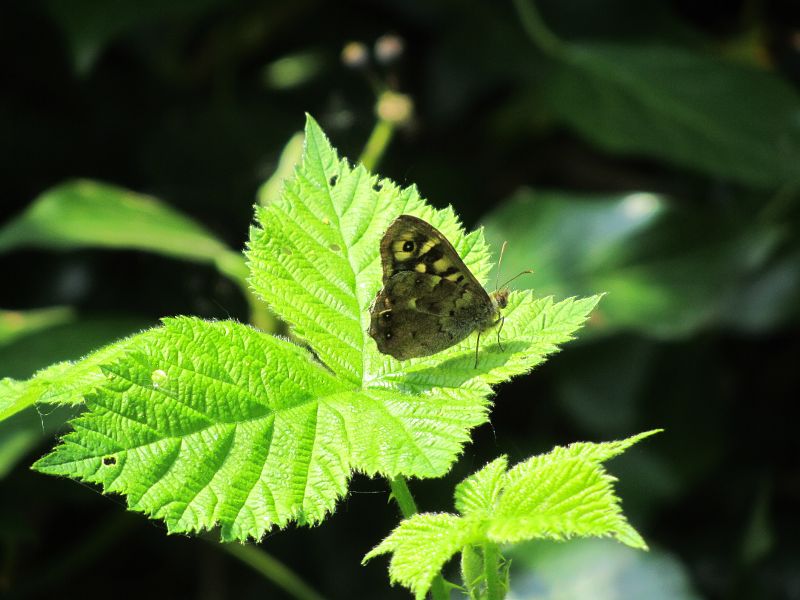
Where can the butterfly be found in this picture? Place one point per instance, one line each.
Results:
(430, 300)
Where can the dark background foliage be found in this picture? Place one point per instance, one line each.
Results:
(684, 113)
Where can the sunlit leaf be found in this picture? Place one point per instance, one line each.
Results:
(204, 423)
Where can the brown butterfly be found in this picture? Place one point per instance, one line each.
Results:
(430, 300)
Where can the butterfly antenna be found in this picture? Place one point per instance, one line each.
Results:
(499, 262)
(525, 272)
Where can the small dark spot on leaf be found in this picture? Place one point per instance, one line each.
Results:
(109, 460)
(377, 187)
(335, 247)
(332, 181)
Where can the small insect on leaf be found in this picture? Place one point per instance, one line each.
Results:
(430, 300)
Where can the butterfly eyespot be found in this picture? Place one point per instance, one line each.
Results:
(386, 316)
(332, 181)
(388, 335)
(408, 246)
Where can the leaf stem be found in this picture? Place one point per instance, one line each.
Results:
(272, 569)
(495, 590)
(537, 30)
(377, 143)
(402, 495)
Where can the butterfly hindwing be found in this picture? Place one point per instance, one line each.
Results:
(417, 314)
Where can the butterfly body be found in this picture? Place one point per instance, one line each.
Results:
(430, 300)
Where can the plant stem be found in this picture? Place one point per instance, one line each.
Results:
(495, 590)
(272, 569)
(377, 143)
(402, 495)
(536, 29)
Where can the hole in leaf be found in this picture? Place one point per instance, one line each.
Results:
(377, 187)
(326, 221)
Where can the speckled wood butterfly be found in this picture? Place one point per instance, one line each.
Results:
(430, 300)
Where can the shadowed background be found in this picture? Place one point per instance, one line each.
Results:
(648, 149)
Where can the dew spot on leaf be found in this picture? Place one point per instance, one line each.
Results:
(159, 378)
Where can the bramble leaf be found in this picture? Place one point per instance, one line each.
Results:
(562, 494)
(205, 423)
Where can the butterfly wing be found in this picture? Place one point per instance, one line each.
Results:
(411, 244)
(430, 300)
(415, 314)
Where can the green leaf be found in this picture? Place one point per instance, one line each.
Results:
(213, 422)
(666, 272)
(65, 382)
(26, 430)
(83, 213)
(290, 156)
(89, 26)
(23, 426)
(19, 323)
(727, 120)
(204, 423)
(562, 494)
(478, 493)
(421, 545)
(558, 495)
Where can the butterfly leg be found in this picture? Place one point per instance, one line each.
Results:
(499, 329)
(477, 346)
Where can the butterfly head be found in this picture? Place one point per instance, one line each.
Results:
(500, 297)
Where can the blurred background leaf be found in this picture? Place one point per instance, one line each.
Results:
(598, 569)
(668, 270)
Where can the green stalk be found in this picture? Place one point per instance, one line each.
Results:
(495, 590)
(402, 495)
(535, 27)
(272, 569)
(377, 143)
